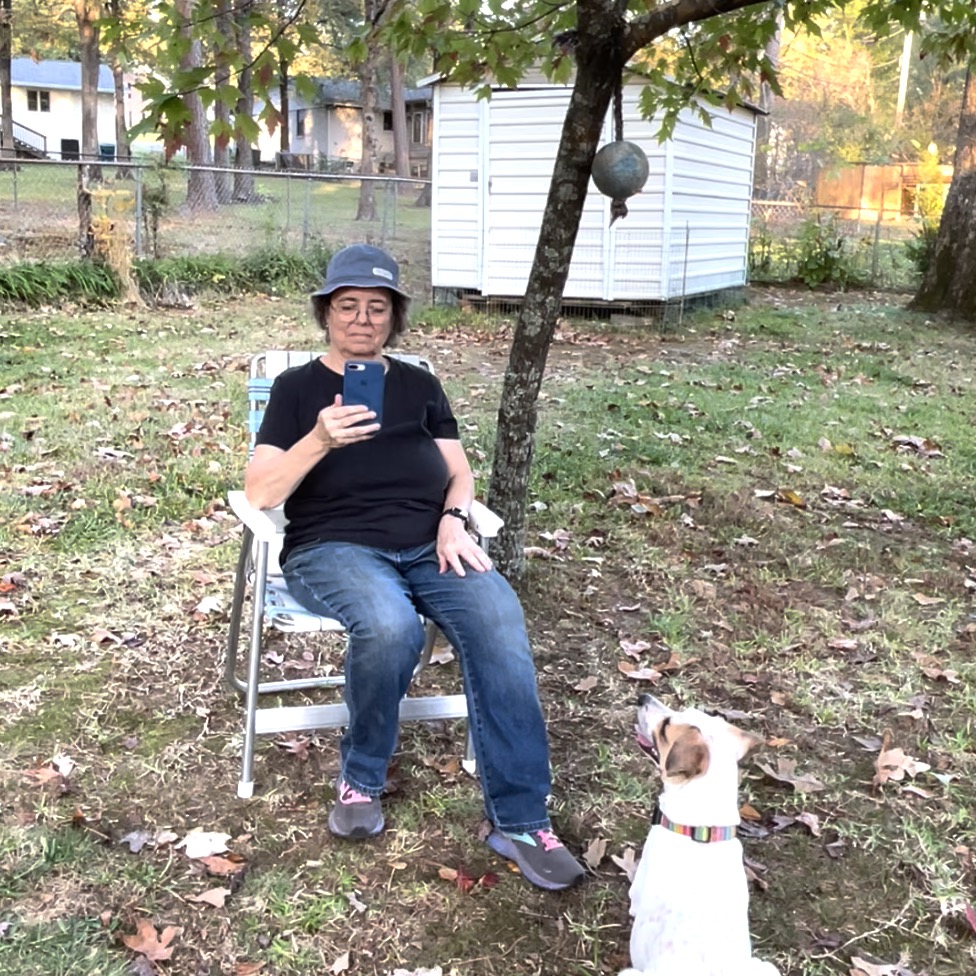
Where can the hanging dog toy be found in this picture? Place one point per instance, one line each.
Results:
(620, 168)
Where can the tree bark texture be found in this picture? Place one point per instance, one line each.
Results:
(201, 193)
(86, 16)
(221, 149)
(243, 152)
(368, 72)
(7, 148)
(401, 147)
(599, 66)
(948, 285)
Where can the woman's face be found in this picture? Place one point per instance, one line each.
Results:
(359, 320)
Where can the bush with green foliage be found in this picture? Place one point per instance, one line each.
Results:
(269, 271)
(42, 283)
(824, 256)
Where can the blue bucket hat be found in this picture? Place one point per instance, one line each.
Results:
(361, 266)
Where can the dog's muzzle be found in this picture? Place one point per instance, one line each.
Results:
(647, 745)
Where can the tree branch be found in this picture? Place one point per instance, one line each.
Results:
(643, 30)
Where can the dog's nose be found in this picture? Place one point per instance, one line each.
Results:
(643, 699)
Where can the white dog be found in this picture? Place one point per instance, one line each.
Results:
(689, 898)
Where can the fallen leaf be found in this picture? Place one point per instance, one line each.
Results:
(595, 852)
(627, 862)
(203, 843)
(247, 968)
(213, 896)
(148, 943)
(927, 601)
(341, 964)
(893, 764)
(220, 866)
(785, 772)
(587, 684)
(634, 673)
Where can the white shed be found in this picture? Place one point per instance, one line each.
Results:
(686, 234)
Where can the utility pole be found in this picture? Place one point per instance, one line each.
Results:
(906, 60)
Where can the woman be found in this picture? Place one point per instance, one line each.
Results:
(377, 532)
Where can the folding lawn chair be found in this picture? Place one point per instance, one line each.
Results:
(258, 579)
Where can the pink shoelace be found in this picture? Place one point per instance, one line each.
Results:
(549, 840)
(349, 795)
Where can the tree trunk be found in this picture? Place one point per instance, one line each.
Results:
(86, 15)
(948, 283)
(599, 67)
(401, 144)
(761, 189)
(201, 192)
(123, 149)
(284, 104)
(7, 149)
(367, 95)
(221, 150)
(243, 153)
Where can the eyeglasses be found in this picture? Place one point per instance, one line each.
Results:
(374, 312)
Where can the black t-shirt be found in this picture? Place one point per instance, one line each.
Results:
(386, 492)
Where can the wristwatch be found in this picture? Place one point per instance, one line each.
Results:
(458, 513)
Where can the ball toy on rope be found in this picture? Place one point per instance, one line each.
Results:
(620, 168)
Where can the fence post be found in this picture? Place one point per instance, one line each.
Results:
(307, 212)
(684, 276)
(877, 246)
(138, 230)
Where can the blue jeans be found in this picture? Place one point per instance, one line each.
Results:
(377, 594)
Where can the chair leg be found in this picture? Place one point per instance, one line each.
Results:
(237, 614)
(245, 787)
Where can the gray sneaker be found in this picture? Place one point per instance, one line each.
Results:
(540, 856)
(355, 815)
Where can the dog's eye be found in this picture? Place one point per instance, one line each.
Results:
(663, 730)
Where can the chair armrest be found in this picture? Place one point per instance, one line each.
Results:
(266, 524)
(484, 521)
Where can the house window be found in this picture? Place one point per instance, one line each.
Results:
(418, 130)
(387, 121)
(300, 123)
(38, 101)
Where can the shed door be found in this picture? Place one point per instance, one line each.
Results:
(523, 134)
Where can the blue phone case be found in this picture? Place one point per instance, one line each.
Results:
(362, 383)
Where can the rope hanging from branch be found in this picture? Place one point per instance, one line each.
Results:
(620, 168)
(618, 205)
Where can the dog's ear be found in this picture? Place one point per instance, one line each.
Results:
(745, 742)
(688, 756)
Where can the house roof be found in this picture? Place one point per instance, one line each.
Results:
(63, 75)
(343, 91)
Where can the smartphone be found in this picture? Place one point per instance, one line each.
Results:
(362, 383)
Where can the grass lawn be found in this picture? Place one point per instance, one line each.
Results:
(768, 512)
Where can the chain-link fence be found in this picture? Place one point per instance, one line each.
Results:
(53, 210)
(796, 241)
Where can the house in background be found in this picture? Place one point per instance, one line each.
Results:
(687, 232)
(46, 97)
(326, 132)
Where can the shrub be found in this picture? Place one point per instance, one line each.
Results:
(824, 255)
(47, 283)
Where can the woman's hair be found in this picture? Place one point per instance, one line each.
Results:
(398, 314)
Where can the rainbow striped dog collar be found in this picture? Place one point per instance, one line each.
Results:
(703, 835)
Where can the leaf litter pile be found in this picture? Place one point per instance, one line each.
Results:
(767, 514)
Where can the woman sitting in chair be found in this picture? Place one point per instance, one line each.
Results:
(377, 533)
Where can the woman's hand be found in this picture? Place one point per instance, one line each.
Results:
(455, 548)
(336, 425)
